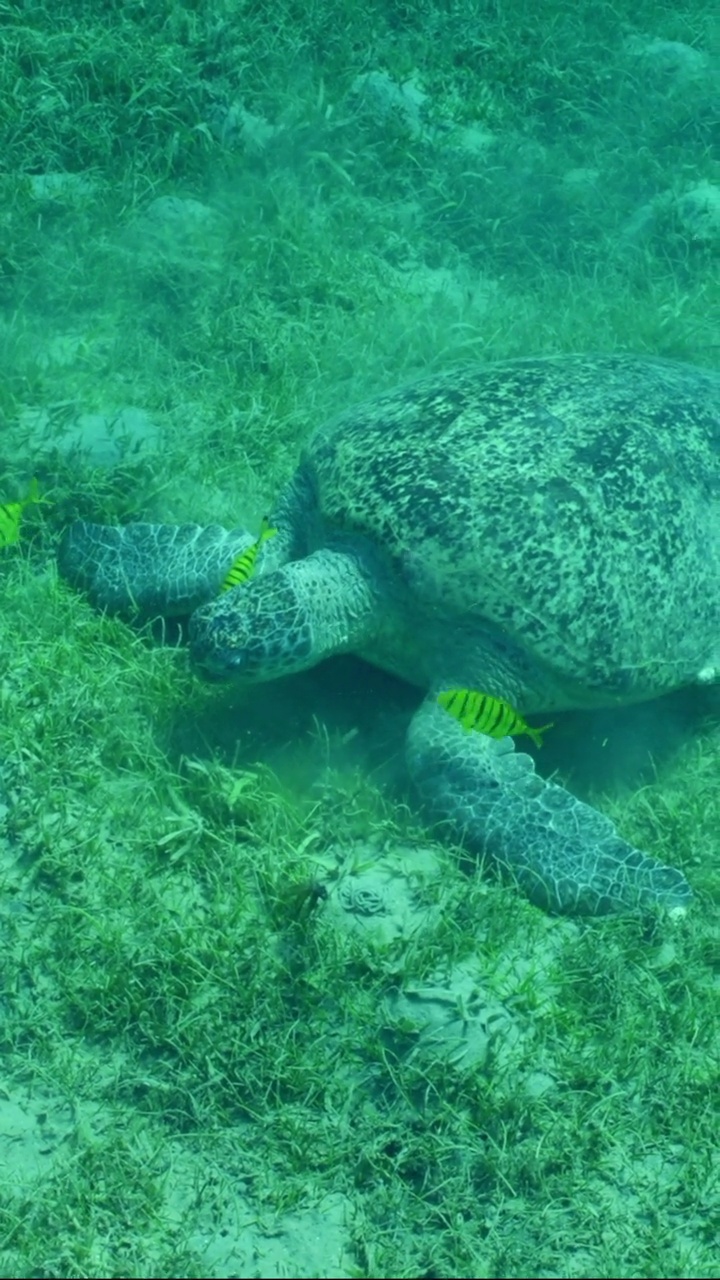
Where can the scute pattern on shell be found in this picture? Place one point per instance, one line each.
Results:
(572, 501)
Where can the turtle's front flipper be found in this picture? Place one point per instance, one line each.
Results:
(149, 568)
(564, 854)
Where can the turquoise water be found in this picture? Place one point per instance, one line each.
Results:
(259, 1018)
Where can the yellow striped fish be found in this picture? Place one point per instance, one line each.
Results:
(243, 567)
(485, 714)
(11, 514)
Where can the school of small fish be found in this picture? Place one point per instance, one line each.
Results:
(486, 714)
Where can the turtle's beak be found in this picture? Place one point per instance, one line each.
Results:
(220, 649)
(205, 673)
(256, 632)
(214, 667)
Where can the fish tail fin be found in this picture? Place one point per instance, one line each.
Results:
(266, 530)
(536, 734)
(33, 494)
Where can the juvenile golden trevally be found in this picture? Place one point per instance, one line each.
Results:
(243, 567)
(485, 714)
(11, 514)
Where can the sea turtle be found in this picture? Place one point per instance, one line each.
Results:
(542, 530)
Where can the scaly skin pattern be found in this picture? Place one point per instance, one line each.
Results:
(565, 855)
(321, 605)
(147, 568)
(546, 531)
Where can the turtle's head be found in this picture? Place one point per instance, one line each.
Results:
(287, 621)
(255, 632)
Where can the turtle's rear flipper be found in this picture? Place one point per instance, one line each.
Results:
(149, 569)
(564, 854)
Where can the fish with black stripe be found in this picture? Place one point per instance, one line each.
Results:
(11, 514)
(486, 714)
(243, 566)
